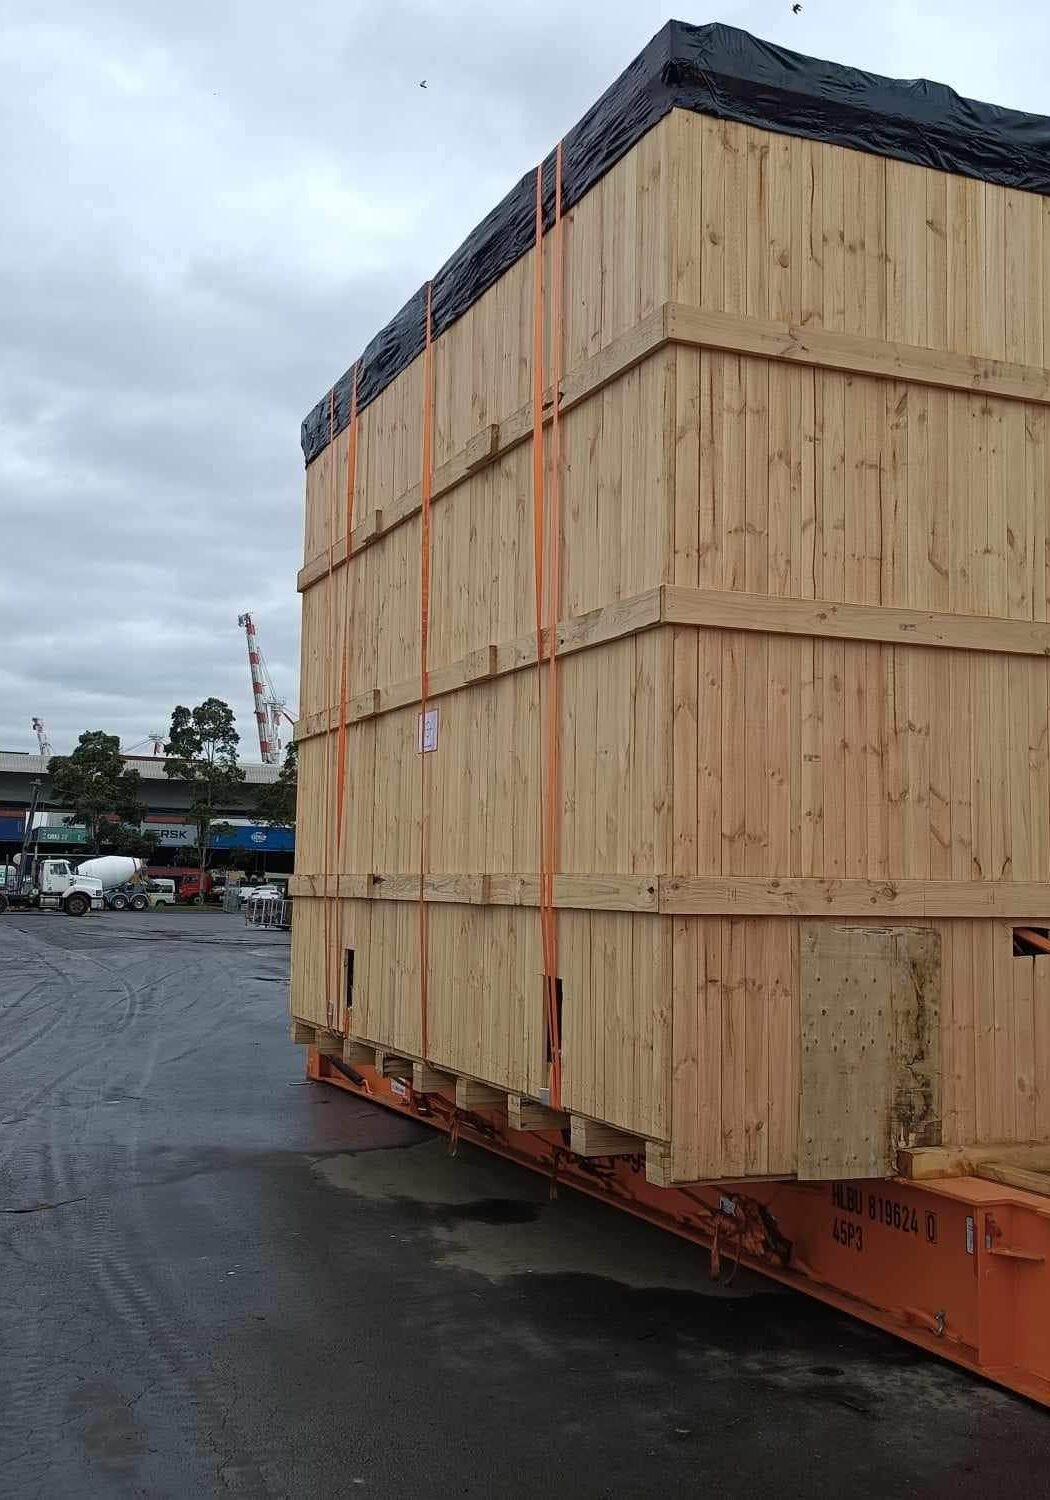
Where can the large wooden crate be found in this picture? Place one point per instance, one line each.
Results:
(803, 790)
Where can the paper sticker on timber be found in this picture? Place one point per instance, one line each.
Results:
(427, 739)
(870, 1047)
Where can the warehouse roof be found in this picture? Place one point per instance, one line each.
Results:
(720, 71)
(149, 768)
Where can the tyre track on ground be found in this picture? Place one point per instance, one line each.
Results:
(118, 1136)
(13, 1010)
(119, 1041)
(165, 1345)
(181, 1004)
(39, 1146)
(96, 1045)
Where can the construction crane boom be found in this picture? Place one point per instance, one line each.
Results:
(155, 739)
(269, 708)
(41, 735)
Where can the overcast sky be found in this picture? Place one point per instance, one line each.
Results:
(206, 209)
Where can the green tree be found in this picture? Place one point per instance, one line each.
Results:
(126, 838)
(95, 783)
(202, 751)
(275, 803)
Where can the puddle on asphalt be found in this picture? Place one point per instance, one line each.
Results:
(486, 1216)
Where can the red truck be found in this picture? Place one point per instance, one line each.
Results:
(187, 882)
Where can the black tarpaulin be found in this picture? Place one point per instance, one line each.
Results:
(720, 71)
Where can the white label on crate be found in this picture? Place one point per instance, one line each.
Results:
(428, 731)
(399, 1088)
(969, 1234)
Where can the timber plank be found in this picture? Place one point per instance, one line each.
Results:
(430, 1080)
(593, 1138)
(470, 1094)
(856, 354)
(739, 895)
(528, 1114)
(803, 440)
(824, 619)
(925, 1164)
(1018, 1177)
(355, 1052)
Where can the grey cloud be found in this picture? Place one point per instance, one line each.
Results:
(208, 210)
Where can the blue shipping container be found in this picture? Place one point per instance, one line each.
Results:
(255, 838)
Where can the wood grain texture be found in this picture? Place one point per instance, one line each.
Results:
(805, 642)
(870, 1077)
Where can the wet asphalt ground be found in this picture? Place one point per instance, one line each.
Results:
(215, 1278)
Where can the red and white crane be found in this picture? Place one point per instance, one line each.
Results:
(269, 708)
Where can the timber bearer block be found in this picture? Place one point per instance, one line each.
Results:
(482, 664)
(390, 1065)
(302, 1034)
(527, 1114)
(472, 1095)
(590, 1138)
(428, 1080)
(658, 1164)
(921, 1163)
(355, 1053)
(366, 705)
(328, 1043)
(367, 530)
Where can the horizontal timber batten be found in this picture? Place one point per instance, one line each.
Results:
(712, 609)
(856, 354)
(749, 896)
(675, 323)
(821, 618)
(610, 623)
(635, 893)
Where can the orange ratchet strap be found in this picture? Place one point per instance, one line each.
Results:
(426, 489)
(549, 737)
(329, 695)
(537, 418)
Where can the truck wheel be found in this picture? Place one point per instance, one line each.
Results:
(139, 903)
(77, 905)
(3, 902)
(118, 903)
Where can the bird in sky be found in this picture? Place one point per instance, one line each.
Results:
(423, 84)
(796, 9)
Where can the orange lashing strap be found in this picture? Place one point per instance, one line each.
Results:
(547, 640)
(537, 420)
(329, 694)
(344, 669)
(426, 490)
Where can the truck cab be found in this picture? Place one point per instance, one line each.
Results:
(51, 884)
(61, 887)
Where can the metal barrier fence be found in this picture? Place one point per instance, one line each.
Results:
(268, 911)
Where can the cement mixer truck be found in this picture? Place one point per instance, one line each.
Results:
(54, 885)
